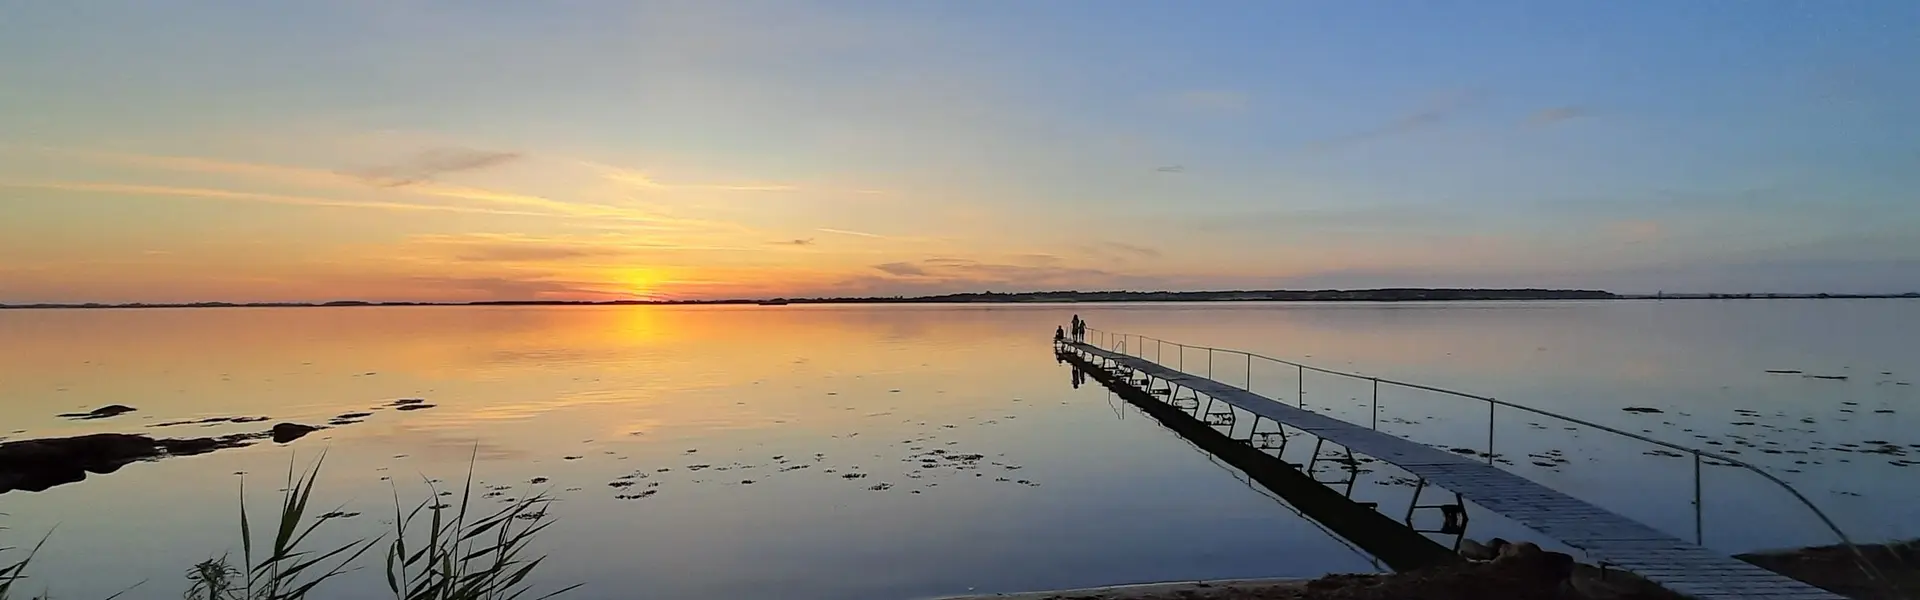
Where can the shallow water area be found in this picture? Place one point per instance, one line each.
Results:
(914, 451)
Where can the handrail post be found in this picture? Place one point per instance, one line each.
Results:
(1699, 537)
(1209, 363)
(1376, 403)
(1249, 373)
(1490, 407)
(1300, 385)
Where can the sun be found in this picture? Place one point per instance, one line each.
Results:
(642, 283)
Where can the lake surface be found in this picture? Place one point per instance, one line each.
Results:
(1072, 487)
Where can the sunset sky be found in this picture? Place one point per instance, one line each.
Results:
(414, 150)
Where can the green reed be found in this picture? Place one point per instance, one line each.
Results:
(456, 554)
(12, 572)
(436, 552)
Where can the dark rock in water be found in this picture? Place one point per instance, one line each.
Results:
(408, 402)
(288, 432)
(111, 410)
(210, 421)
(1785, 371)
(1833, 377)
(193, 446)
(36, 465)
(352, 416)
(1642, 409)
(415, 407)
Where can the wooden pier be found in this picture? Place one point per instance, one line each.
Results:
(1611, 540)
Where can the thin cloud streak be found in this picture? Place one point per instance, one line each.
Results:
(433, 163)
(1554, 115)
(851, 232)
(220, 194)
(641, 179)
(513, 248)
(336, 180)
(1435, 113)
(901, 269)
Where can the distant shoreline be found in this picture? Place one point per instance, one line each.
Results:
(1370, 295)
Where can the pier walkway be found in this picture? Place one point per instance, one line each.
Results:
(1605, 537)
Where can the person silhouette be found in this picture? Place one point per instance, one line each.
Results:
(1059, 335)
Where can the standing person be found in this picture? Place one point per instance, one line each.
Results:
(1059, 336)
(1076, 328)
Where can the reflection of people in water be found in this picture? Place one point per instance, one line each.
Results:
(1079, 377)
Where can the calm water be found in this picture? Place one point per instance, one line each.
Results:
(1074, 488)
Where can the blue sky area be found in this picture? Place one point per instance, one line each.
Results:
(484, 150)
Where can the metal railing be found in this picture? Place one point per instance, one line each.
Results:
(1148, 348)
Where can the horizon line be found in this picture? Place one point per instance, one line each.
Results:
(1387, 294)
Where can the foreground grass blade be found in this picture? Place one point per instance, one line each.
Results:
(456, 557)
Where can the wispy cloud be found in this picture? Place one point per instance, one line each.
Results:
(196, 164)
(793, 242)
(526, 253)
(1135, 250)
(1395, 217)
(939, 275)
(850, 232)
(515, 199)
(751, 188)
(902, 269)
(1549, 116)
(430, 164)
(1434, 113)
(233, 195)
(642, 180)
(518, 288)
(521, 248)
(508, 202)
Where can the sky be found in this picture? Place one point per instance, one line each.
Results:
(593, 150)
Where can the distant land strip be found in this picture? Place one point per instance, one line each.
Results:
(1370, 295)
